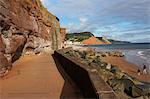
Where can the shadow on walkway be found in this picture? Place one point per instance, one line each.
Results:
(70, 90)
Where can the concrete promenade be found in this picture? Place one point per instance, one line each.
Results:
(36, 77)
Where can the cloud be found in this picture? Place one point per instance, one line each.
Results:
(102, 17)
(134, 35)
(142, 40)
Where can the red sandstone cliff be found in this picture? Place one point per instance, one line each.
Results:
(26, 27)
(94, 41)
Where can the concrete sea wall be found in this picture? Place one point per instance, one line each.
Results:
(85, 77)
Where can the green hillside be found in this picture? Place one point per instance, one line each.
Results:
(78, 37)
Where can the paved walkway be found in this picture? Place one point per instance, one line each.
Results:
(35, 77)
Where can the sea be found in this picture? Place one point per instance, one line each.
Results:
(136, 53)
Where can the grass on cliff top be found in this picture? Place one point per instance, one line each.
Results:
(78, 37)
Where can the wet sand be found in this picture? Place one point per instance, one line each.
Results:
(35, 77)
(127, 67)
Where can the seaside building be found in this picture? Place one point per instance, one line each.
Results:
(68, 42)
(76, 43)
(72, 43)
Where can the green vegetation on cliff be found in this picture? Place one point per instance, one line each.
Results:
(78, 37)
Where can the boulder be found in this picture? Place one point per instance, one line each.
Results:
(108, 66)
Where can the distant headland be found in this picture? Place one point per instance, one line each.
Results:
(87, 38)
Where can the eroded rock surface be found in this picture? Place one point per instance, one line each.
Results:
(26, 27)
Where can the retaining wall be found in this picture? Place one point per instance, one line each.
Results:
(87, 79)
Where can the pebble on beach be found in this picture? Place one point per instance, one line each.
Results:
(108, 66)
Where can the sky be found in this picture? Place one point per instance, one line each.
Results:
(126, 20)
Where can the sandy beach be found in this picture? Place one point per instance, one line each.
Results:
(125, 80)
(127, 67)
(122, 64)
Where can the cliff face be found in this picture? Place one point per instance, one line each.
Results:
(26, 27)
(63, 33)
(95, 41)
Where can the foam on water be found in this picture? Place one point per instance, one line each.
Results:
(142, 55)
(138, 54)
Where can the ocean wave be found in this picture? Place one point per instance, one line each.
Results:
(140, 53)
(144, 54)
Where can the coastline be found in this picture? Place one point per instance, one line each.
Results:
(114, 69)
(127, 67)
(139, 58)
(122, 63)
